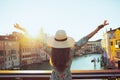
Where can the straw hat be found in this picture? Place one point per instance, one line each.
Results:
(60, 40)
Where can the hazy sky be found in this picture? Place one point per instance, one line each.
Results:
(76, 17)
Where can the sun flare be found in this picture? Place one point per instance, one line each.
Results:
(33, 33)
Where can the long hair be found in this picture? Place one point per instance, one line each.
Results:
(60, 57)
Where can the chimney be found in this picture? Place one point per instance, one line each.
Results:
(110, 29)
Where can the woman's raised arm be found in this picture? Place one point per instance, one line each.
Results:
(85, 39)
(97, 29)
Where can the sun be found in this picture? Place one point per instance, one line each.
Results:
(33, 33)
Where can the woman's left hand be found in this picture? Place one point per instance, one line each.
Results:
(102, 25)
(105, 23)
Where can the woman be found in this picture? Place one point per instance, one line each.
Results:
(61, 51)
(61, 55)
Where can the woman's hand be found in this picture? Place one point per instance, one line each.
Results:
(16, 25)
(105, 23)
(102, 25)
(20, 28)
(97, 29)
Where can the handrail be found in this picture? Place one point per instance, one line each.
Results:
(45, 74)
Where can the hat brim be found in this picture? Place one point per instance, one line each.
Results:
(61, 44)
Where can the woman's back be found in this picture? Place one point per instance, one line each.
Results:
(61, 61)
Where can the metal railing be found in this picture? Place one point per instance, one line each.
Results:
(45, 75)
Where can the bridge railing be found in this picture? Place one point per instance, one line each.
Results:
(45, 75)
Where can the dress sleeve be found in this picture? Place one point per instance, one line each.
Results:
(82, 41)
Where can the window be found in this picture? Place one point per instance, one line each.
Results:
(1, 53)
(118, 54)
(111, 43)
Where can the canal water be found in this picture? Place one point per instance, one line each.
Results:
(83, 62)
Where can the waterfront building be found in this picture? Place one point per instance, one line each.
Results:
(29, 50)
(18, 49)
(115, 47)
(106, 41)
(9, 52)
(111, 44)
(42, 37)
(32, 49)
(94, 46)
(90, 47)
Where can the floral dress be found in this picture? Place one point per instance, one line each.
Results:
(66, 75)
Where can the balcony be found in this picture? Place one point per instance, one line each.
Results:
(45, 75)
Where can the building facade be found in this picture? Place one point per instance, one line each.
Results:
(111, 44)
(90, 47)
(115, 47)
(9, 52)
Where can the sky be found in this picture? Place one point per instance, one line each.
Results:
(77, 17)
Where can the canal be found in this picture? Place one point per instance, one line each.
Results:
(79, 63)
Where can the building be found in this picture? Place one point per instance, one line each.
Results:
(32, 49)
(106, 41)
(94, 46)
(9, 52)
(115, 47)
(90, 47)
(110, 43)
(29, 50)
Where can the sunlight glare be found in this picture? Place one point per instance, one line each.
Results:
(33, 33)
